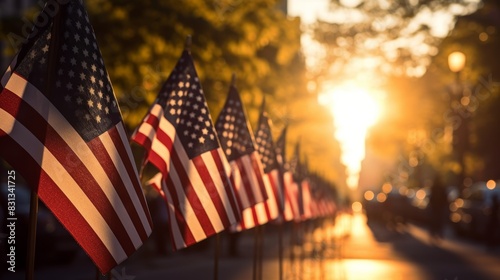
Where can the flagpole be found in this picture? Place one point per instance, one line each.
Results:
(280, 248)
(216, 256)
(49, 81)
(255, 251)
(261, 243)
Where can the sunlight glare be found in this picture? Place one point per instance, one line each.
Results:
(354, 111)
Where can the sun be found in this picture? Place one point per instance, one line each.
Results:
(355, 109)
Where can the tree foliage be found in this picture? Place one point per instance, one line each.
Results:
(142, 40)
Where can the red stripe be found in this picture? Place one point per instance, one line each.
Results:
(191, 196)
(109, 168)
(142, 138)
(228, 188)
(181, 222)
(57, 202)
(257, 170)
(131, 171)
(211, 189)
(245, 183)
(159, 160)
(72, 164)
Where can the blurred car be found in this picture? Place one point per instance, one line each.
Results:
(53, 241)
(470, 213)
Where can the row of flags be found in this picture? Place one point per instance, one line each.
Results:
(61, 129)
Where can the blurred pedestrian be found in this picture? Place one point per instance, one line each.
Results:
(438, 203)
(492, 228)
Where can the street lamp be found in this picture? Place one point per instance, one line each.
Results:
(456, 63)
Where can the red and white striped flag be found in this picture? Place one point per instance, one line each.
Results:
(272, 168)
(285, 177)
(238, 144)
(61, 129)
(180, 140)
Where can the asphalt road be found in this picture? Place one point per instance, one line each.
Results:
(350, 249)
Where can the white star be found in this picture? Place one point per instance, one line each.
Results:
(92, 79)
(204, 131)
(93, 67)
(45, 48)
(90, 103)
(79, 100)
(77, 37)
(98, 119)
(92, 91)
(99, 106)
(193, 136)
(190, 145)
(73, 61)
(201, 139)
(75, 49)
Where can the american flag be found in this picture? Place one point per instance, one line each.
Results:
(61, 129)
(298, 175)
(270, 209)
(180, 140)
(269, 158)
(238, 144)
(290, 210)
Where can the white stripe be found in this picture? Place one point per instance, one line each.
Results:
(129, 187)
(71, 189)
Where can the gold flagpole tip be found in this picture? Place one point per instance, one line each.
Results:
(187, 44)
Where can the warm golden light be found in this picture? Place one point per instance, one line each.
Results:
(369, 195)
(355, 110)
(420, 194)
(456, 61)
(381, 197)
(491, 184)
(387, 188)
(356, 206)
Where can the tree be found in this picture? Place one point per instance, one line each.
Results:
(142, 40)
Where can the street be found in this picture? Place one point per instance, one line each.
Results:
(350, 249)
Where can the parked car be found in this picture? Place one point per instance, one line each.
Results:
(53, 241)
(470, 213)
